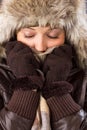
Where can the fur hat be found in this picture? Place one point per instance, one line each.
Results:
(67, 14)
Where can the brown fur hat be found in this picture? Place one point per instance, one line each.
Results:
(67, 14)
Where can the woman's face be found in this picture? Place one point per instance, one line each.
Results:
(41, 38)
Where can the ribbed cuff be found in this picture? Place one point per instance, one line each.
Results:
(24, 103)
(62, 106)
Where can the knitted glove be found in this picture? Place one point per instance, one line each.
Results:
(21, 60)
(56, 68)
(58, 64)
(23, 64)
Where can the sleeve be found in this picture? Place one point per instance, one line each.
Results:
(19, 110)
(65, 110)
(16, 120)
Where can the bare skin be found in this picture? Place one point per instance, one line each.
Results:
(41, 38)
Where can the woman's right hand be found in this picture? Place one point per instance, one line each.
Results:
(23, 63)
(21, 60)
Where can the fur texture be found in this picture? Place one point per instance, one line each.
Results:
(67, 14)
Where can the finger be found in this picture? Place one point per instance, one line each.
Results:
(62, 51)
(9, 47)
(19, 46)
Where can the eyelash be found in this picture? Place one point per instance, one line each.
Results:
(53, 37)
(28, 36)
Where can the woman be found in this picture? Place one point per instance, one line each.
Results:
(45, 44)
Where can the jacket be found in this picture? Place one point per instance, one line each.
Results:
(11, 121)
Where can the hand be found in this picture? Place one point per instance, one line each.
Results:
(56, 68)
(27, 81)
(56, 91)
(23, 64)
(58, 64)
(21, 60)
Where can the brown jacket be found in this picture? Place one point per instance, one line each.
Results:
(11, 121)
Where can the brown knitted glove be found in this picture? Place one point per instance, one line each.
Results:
(28, 81)
(21, 60)
(23, 64)
(57, 67)
(56, 90)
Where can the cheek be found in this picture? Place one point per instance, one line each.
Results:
(55, 43)
(26, 41)
(60, 41)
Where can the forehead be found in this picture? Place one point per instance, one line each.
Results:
(41, 29)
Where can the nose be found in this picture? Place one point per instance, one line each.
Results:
(40, 44)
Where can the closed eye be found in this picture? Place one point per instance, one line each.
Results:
(29, 36)
(52, 37)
